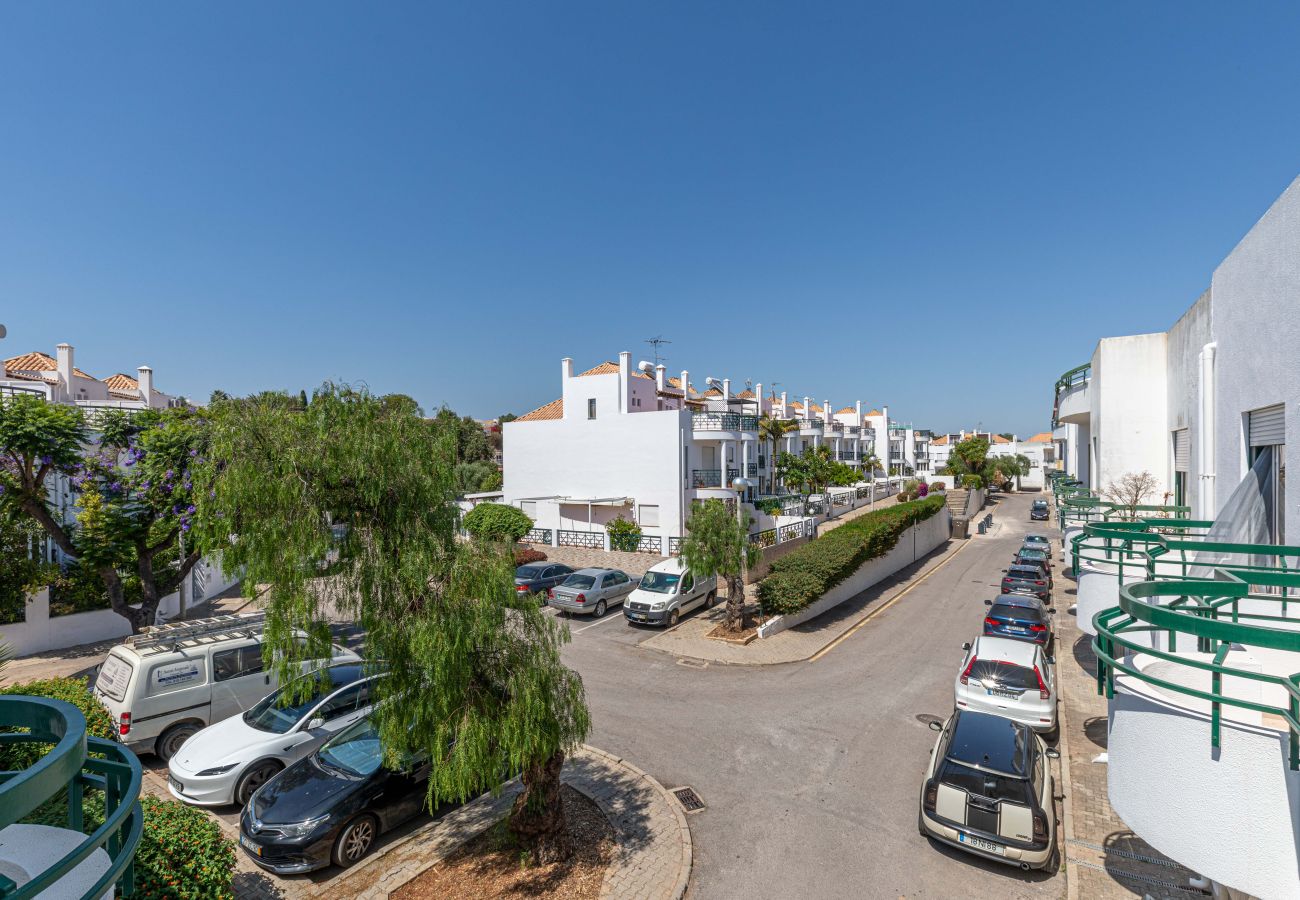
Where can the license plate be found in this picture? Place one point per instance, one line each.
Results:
(1010, 695)
(176, 785)
(251, 846)
(636, 618)
(981, 844)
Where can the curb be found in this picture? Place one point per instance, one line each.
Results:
(686, 860)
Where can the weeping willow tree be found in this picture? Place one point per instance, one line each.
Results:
(346, 506)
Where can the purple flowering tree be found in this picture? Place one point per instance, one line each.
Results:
(131, 472)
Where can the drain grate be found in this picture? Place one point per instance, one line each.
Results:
(689, 799)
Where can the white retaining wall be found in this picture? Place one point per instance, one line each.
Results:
(41, 632)
(912, 544)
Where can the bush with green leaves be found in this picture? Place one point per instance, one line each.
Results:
(769, 505)
(971, 482)
(99, 722)
(497, 522)
(182, 854)
(804, 575)
(623, 535)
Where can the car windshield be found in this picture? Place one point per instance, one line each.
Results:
(579, 581)
(660, 582)
(985, 784)
(355, 751)
(994, 673)
(528, 572)
(1032, 553)
(1040, 504)
(1019, 613)
(268, 715)
(1024, 572)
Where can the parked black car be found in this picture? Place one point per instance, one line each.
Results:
(331, 806)
(1026, 579)
(540, 577)
(1038, 511)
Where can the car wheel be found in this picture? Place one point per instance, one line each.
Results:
(674, 617)
(170, 740)
(253, 779)
(355, 841)
(600, 609)
(711, 599)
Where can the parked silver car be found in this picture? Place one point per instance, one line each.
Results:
(591, 591)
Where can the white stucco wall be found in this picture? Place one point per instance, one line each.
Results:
(1129, 401)
(1255, 293)
(1230, 814)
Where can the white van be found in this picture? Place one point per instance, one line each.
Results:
(163, 685)
(666, 591)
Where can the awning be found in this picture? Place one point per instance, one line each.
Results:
(597, 501)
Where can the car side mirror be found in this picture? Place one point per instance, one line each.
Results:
(1051, 660)
(936, 726)
(966, 645)
(1052, 753)
(988, 602)
(315, 723)
(1004, 571)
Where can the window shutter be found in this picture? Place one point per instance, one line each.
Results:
(1182, 451)
(1268, 426)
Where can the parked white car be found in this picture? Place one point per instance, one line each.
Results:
(1009, 678)
(666, 591)
(227, 762)
(163, 685)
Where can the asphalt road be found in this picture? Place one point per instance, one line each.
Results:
(811, 772)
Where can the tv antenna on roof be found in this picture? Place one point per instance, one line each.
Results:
(657, 341)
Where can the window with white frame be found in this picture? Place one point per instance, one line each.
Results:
(648, 517)
(591, 408)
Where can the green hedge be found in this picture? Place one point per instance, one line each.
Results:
(803, 576)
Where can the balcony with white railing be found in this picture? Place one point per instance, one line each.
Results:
(723, 426)
(811, 427)
(1072, 403)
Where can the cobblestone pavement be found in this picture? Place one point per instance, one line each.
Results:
(652, 860)
(1106, 860)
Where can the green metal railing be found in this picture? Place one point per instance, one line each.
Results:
(1210, 612)
(1076, 376)
(70, 766)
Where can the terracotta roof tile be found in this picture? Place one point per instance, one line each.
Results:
(1043, 437)
(39, 362)
(847, 409)
(552, 410)
(941, 440)
(611, 368)
(874, 412)
(745, 395)
(999, 439)
(120, 382)
(713, 392)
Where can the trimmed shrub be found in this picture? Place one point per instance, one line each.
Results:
(971, 481)
(938, 486)
(526, 555)
(497, 522)
(623, 535)
(99, 723)
(922, 490)
(182, 854)
(770, 505)
(801, 577)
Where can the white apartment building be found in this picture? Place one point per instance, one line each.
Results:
(58, 380)
(1198, 404)
(631, 442)
(1039, 449)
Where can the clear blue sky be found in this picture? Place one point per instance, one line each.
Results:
(940, 206)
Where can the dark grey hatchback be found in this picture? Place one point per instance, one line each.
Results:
(331, 806)
(1026, 579)
(539, 577)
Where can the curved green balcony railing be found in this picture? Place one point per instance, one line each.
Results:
(1206, 615)
(1076, 376)
(74, 763)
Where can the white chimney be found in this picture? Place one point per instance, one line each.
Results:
(686, 387)
(624, 379)
(858, 406)
(826, 411)
(145, 378)
(63, 352)
(661, 372)
(726, 389)
(807, 407)
(566, 368)
(758, 395)
(785, 406)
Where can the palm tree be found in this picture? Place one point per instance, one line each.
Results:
(871, 462)
(772, 429)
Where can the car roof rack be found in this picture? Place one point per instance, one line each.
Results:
(156, 637)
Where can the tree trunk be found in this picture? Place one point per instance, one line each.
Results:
(735, 604)
(537, 819)
(117, 600)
